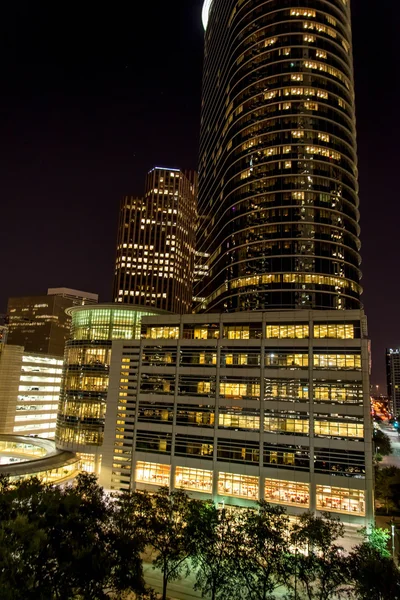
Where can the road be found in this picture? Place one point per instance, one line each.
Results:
(394, 458)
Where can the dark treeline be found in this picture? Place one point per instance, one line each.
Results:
(76, 542)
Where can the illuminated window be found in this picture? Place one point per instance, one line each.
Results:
(286, 425)
(287, 492)
(153, 473)
(270, 41)
(240, 486)
(237, 420)
(302, 12)
(286, 390)
(342, 500)
(340, 393)
(237, 333)
(337, 361)
(239, 390)
(193, 479)
(334, 331)
(163, 332)
(281, 360)
(320, 54)
(344, 429)
(270, 95)
(287, 331)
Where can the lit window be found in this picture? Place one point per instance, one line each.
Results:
(240, 486)
(153, 473)
(194, 479)
(291, 493)
(342, 500)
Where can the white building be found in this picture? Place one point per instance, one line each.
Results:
(245, 406)
(29, 392)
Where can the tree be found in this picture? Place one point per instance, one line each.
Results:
(375, 577)
(261, 544)
(386, 479)
(317, 568)
(378, 539)
(64, 543)
(382, 443)
(213, 532)
(168, 534)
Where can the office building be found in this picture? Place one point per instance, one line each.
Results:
(393, 379)
(155, 246)
(278, 193)
(245, 406)
(29, 392)
(40, 323)
(82, 408)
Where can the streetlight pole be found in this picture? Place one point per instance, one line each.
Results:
(392, 527)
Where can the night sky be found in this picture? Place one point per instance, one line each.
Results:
(95, 94)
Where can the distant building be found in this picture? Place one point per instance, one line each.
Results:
(76, 296)
(393, 378)
(40, 323)
(155, 246)
(29, 392)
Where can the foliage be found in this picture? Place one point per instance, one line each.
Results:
(261, 545)
(168, 534)
(317, 568)
(63, 543)
(378, 539)
(375, 577)
(382, 443)
(213, 534)
(386, 479)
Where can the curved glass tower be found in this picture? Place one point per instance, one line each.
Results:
(83, 398)
(278, 199)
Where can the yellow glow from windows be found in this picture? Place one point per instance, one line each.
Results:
(339, 429)
(342, 500)
(270, 41)
(153, 473)
(286, 360)
(239, 390)
(302, 12)
(337, 361)
(287, 331)
(163, 333)
(240, 486)
(334, 331)
(286, 425)
(193, 479)
(291, 493)
(238, 421)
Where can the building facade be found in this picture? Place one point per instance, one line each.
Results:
(393, 379)
(278, 193)
(83, 399)
(29, 392)
(245, 406)
(40, 323)
(155, 246)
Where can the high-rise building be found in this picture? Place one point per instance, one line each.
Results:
(267, 395)
(40, 323)
(278, 203)
(393, 379)
(155, 246)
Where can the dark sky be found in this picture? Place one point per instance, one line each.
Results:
(95, 94)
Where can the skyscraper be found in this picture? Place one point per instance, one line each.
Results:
(155, 247)
(277, 178)
(393, 379)
(265, 397)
